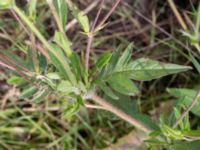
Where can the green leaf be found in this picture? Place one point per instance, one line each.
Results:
(40, 95)
(113, 60)
(56, 57)
(195, 63)
(185, 97)
(193, 133)
(32, 9)
(53, 76)
(62, 10)
(101, 62)
(126, 56)
(62, 41)
(18, 60)
(108, 91)
(177, 114)
(5, 4)
(15, 80)
(74, 108)
(172, 133)
(67, 88)
(28, 92)
(185, 145)
(81, 18)
(62, 64)
(146, 69)
(123, 85)
(76, 65)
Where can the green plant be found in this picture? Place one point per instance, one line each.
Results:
(55, 69)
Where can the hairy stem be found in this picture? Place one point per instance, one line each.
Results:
(120, 113)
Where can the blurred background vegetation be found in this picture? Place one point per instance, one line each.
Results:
(156, 32)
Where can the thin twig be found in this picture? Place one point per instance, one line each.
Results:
(194, 101)
(90, 38)
(20, 22)
(93, 29)
(108, 15)
(120, 113)
(88, 49)
(85, 11)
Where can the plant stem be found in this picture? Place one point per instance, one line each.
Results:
(93, 29)
(88, 49)
(120, 113)
(109, 13)
(90, 38)
(187, 109)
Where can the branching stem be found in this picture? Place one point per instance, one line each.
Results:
(93, 29)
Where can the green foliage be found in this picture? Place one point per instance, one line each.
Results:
(15, 80)
(185, 97)
(129, 106)
(32, 12)
(80, 17)
(123, 85)
(57, 70)
(62, 10)
(144, 69)
(101, 62)
(121, 70)
(5, 4)
(62, 41)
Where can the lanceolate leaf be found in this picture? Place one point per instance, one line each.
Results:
(113, 60)
(123, 85)
(19, 61)
(101, 62)
(76, 65)
(62, 41)
(62, 64)
(126, 56)
(80, 17)
(62, 11)
(108, 91)
(195, 63)
(144, 69)
(185, 97)
(28, 92)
